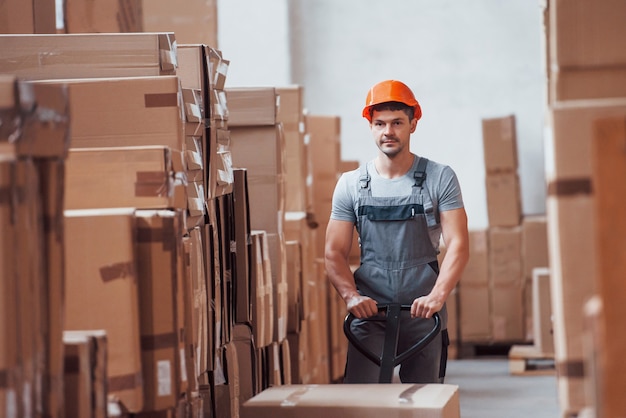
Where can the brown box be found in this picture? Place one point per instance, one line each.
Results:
(199, 355)
(38, 105)
(325, 154)
(244, 345)
(587, 83)
(500, 144)
(504, 206)
(375, 400)
(260, 149)
(251, 106)
(137, 111)
(568, 145)
(507, 312)
(196, 22)
(260, 297)
(84, 378)
(609, 169)
(157, 244)
(475, 312)
(141, 177)
(88, 55)
(477, 268)
(102, 16)
(102, 292)
(18, 16)
(241, 224)
(587, 34)
(505, 256)
(9, 303)
(543, 339)
(534, 244)
(293, 256)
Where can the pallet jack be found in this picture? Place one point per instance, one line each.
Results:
(388, 359)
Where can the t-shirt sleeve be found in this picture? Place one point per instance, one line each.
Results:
(343, 200)
(450, 196)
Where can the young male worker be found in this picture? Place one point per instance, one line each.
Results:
(401, 205)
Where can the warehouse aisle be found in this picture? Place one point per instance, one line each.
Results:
(487, 390)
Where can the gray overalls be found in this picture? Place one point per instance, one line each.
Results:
(398, 264)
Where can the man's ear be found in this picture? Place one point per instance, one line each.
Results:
(413, 124)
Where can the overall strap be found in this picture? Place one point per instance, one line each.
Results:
(420, 172)
(432, 214)
(364, 181)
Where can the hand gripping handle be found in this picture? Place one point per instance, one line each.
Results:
(389, 358)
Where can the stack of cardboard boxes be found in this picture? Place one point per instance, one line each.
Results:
(191, 271)
(495, 290)
(34, 141)
(586, 73)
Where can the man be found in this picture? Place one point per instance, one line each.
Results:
(401, 205)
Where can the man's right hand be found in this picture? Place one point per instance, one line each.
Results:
(362, 306)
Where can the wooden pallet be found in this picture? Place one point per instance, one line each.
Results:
(528, 360)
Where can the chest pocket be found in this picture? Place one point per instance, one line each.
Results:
(391, 213)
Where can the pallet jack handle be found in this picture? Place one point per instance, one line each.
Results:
(389, 359)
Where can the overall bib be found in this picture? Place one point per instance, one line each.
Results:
(398, 265)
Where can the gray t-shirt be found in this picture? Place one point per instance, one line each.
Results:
(441, 182)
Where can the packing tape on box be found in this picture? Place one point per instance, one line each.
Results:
(294, 397)
(71, 364)
(572, 368)
(117, 271)
(168, 53)
(570, 187)
(159, 341)
(125, 382)
(160, 100)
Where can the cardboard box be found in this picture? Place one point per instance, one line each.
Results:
(376, 400)
(102, 16)
(158, 235)
(505, 256)
(293, 256)
(500, 144)
(138, 111)
(504, 206)
(587, 34)
(199, 354)
(102, 292)
(477, 268)
(543, 339)
(31, 290)
(88, 55)
(84, 376)
(196, 22)
(244, 345)
(587, 83)
(325, 154)
(507, 312)
(609, 169)
(37, 16)
(9, 303)
(569, 140)
(141, 177)
(475, 312)
(39, 104)
(251, 106)
(241, 222)
(260, 149)
(572, 266)
(534, 244)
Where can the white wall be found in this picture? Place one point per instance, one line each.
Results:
(464, 60)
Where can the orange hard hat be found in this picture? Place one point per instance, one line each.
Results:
(391, 91)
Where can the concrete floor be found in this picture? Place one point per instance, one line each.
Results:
(488, 390)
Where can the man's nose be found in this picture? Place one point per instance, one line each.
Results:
(388, 129)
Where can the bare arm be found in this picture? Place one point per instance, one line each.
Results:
(337, 250)
(456, 239)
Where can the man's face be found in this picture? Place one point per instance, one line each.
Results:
(392, 130)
